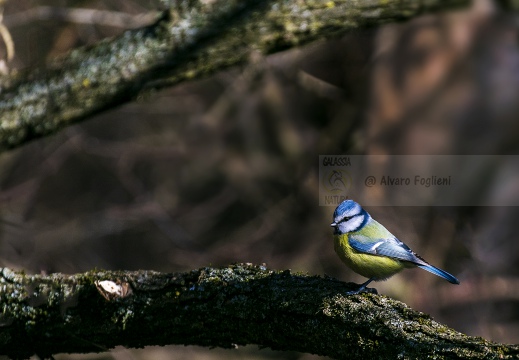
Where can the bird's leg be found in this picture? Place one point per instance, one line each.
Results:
(362, 288)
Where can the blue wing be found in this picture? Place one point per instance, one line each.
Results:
(394, 248)
(391, 247)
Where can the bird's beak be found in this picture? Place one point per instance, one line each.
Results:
(333, 224)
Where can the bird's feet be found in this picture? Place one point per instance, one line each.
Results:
(363, 288)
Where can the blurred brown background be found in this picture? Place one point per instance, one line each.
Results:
(225, 169)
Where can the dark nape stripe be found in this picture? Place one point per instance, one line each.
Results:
(364, 222)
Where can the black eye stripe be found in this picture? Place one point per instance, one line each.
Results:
(345, 219)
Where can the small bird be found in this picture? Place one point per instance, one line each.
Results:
(370, 250)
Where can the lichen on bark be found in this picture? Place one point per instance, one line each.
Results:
(234, 305)
(190, 40)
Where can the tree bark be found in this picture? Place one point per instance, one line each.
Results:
(186, 42)
(225, 307)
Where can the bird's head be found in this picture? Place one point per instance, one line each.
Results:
(349, 217)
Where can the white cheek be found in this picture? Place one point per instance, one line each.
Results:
(352, 224)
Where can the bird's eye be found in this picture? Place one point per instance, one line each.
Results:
(346, 218)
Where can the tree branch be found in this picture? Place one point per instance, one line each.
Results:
(187, 42)
(236, 305)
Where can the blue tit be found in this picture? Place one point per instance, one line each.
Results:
(370, 250)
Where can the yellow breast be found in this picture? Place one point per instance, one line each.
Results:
(370, 266)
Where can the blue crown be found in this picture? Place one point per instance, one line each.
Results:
(345, 206)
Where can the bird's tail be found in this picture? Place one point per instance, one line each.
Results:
(439, 272)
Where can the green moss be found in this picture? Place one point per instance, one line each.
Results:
(205, 307)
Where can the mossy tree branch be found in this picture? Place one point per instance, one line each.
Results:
(236, 305)
(188, 41)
